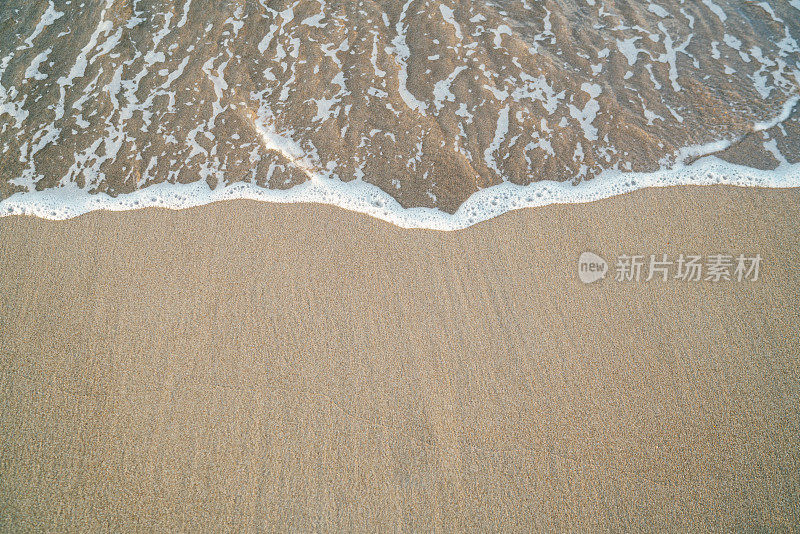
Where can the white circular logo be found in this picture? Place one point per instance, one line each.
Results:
(591, 267)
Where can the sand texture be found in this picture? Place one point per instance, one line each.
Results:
(293, 367)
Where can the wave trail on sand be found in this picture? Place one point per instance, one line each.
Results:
(366, 198)
(428, 113)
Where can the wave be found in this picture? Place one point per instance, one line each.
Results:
(70, 201)
(425, 114)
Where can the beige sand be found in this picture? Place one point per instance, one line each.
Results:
(305, 368)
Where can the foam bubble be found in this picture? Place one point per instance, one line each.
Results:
(70, 201)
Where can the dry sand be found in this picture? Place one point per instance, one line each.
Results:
(281, 367)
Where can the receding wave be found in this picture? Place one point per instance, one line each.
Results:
(434, 114)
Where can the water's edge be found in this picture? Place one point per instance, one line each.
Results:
(69, 201)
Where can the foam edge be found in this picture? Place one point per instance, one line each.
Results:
(69, 201)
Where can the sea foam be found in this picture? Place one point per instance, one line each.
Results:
(70, 201)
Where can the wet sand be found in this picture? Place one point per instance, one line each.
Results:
(429, 101)
(294, 367)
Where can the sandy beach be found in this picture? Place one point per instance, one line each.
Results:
(338, 360)
(293, 367)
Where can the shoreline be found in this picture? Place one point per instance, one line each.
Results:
(361, 197)
(295, 367)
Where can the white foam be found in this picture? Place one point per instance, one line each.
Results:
(315, 21)
(501, 30)
(629, 50)
(589, 112)
(402, 55)
(499, 136)
(185, 16)
(658, 10)
(49, 17)
(70, 201)
(716, 10)
(14, 109)
(449, 17)
(785, 113)
(441, 90)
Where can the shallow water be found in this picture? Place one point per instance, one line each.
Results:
(385, 106)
